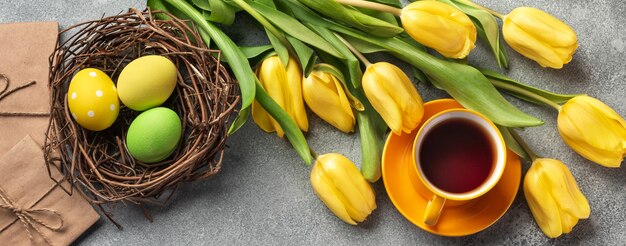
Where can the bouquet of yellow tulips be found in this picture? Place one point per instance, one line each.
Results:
(315, 57)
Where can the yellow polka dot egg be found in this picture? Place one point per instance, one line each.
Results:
(92, 99)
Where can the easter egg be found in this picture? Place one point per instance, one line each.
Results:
(154, 135)
(92, 99)
(146, 82)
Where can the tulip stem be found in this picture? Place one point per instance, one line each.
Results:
(522, 143)
(521, 91)
(354, 51)
(491, 11)
(371, 5)
(313, 153)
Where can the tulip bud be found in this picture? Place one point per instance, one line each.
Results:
(439, 26)
(325, 96)
(593, 130)
(553, 197)
(284, 85)
(393, 96)
(539, 36)
(340, 185)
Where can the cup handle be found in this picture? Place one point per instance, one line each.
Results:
(433, 210)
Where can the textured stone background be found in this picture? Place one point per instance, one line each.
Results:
(263, 195)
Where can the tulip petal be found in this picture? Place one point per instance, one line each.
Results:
(541, 204)
(328, 194)
(406, 96)
(583, 210)
(563, 188)
(293, 95)
(529, 46)
(261, 117)
(353, 212)
(273, 77)
(544, 26)
(334, 166)
(324, 99)
(348, 121)
(357, 179)
(568, 221)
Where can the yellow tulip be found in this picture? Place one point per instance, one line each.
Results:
(553, 197)
(593, 130)
(340, 185)
(284, 85)
(539, 36)
(393, 96)
(325, 96)
(439, 26)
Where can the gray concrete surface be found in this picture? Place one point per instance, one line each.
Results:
(263, 195)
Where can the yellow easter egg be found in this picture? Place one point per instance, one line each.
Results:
(92, 99)
(146, 82)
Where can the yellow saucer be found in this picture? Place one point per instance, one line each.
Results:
(410, 196)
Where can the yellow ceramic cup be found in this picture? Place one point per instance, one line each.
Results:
(459, 155)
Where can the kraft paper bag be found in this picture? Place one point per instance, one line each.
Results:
(24, 52)
(33, 209)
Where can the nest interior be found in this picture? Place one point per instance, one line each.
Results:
(98, 163)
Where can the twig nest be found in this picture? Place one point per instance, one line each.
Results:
(204, 97)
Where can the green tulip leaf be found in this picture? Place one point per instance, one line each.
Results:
(522, 91)
(294, 28)
(161, 5)
(372, 131)
(362, 46)
(218, 11)
(354, 66)
(269, 3)
(394, 3)
(472, 90)
(202, 4)
(252, 52)
(331, 69)
(352, 17)
(242, 71)
(419, 75)
(239, 121)
(156, 5)
(384, 16)
(512, 144)
(293, 133)
(281, 50)
(305, 54)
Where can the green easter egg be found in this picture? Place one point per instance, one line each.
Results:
(154, 135)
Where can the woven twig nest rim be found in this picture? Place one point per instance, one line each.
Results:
(99, 162)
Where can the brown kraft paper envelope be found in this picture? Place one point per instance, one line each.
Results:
(24, 52)
(24, 180)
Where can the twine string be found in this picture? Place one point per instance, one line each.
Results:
(27, 216)
(4, 92)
